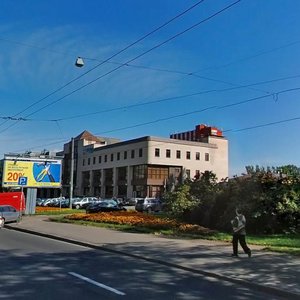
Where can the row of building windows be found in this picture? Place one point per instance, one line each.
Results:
(139, 172)
(144, 171)
(112, 156)
(132, 153)
(178, 154)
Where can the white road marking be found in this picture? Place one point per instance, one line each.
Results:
(97, 283)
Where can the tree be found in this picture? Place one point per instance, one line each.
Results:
(179, 202)
(204, 190)
(269, 198)
(275, 205)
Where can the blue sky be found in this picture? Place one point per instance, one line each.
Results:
(248, 51)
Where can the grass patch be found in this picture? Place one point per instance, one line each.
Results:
(278, 240)
(57, 211)
(282, 243)
(159, 225)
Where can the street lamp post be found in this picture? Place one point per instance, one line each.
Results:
(72, 172)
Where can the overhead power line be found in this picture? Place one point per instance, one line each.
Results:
(248, 57)
(182, 97)
(187, 73)
(131, 60)
(112, 56)
(199, 111)
(263, 125)
(228, 130)
(139, 56)
(192, 74)
(275, 96)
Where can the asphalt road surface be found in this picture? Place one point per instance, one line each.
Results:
(34, 267)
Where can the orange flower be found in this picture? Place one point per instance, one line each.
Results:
(40, 209)
(139, 219)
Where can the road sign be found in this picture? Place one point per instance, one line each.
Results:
(22, 181)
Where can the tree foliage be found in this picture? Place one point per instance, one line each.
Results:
(269, 198)
(179, 202)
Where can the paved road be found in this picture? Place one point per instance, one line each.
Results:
(34, 266)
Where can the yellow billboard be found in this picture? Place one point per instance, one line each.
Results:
(39, 174)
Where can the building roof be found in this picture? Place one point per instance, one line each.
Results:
(86, 135)
(157, 139)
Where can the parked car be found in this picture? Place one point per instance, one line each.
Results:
(106, 205)
(148, 205)
(84, 202)
(48, 202)
(54, 202)
(133, 201)
(64, 203)
(9, 214)
(39, 201)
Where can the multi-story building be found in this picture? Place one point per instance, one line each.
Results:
(84, 142)
(145, 166)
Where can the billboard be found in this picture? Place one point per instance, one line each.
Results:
(38, 173)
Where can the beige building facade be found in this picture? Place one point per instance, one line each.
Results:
(146, 166)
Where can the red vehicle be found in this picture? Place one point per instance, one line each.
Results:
(15, 199)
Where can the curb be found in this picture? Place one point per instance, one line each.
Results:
(246, 283)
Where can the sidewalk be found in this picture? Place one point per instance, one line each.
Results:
(274, 273)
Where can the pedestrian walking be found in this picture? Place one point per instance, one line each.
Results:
(239, 234)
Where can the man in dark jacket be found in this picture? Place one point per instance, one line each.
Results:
(239, 234)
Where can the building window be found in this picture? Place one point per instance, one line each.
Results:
(96, 180)
(188, 155)
(105, 158)
(156, 152)
(178, 154)
(141, 152)
(99, 159)
(139, 172)
(155, 191)
(118, 156)
(125, 154)
(197, 174)
(94, 160)
(132, 153)
(168, 153)
(122, 174)
(188, 173)
(89, 161)
(112, 157)
(157, 173)
(206, 156)
(197, 155)
(83, 162)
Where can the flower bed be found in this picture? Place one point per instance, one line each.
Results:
(131, 218)
(137, 219)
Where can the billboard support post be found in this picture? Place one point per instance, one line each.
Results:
(20, 218)
(30, 201)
